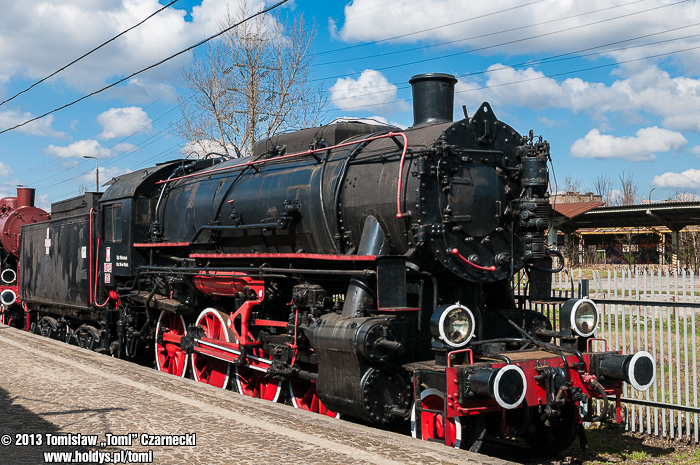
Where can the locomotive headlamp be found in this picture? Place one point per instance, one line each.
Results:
(579, 315)
(453, 325)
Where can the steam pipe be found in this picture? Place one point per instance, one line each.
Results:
(598, 387)
(360, 295)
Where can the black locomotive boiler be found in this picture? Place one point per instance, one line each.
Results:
(352, 269)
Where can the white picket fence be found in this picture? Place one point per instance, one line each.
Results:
(650, 310)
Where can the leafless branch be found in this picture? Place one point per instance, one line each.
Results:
(250, 85)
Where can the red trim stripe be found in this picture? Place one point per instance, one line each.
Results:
(280, 324)
(161, 244)
(307, 256)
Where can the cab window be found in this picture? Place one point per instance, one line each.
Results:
(143, 210)
(113, 223)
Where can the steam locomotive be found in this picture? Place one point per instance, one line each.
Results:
(353, 269)
(15, 212)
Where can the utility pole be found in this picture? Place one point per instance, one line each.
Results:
(97, 172)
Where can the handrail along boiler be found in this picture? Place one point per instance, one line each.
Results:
(354, 269)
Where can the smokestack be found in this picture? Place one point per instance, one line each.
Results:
(25, 197)
(433, 98)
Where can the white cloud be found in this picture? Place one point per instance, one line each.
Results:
(549, 122)
(124, 147)
(142, 89)
(81, 148)
(650, 91)
(502, 26)
(696, 150)
(43, 201)
(5, 170)
(615, 197)
(105, 175)
(125, 121)
(640, 147)
(40, 127)
(39, 37)
(688, 179)
(374, 119)
(199, 149)
(371, 91)
(88, 148)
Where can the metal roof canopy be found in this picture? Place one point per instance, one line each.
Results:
(674, 215)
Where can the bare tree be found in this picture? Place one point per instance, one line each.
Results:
(629, 189)
(572, 184)
(251, 84)
(602, 185)
(683, 196)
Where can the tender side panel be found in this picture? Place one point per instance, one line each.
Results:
(55, 262)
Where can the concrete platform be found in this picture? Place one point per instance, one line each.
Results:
(53, 392)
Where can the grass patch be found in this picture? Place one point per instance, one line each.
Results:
(611, 444)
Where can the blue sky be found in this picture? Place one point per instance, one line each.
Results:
(613, 85)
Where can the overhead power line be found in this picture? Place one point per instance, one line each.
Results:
(430, 28)
(554, 58)
(548, 76)
(591, 68)
(510, 42)
(161, 114)
(480, 36)
(175, 55)
(86, 54)
(356, 13)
